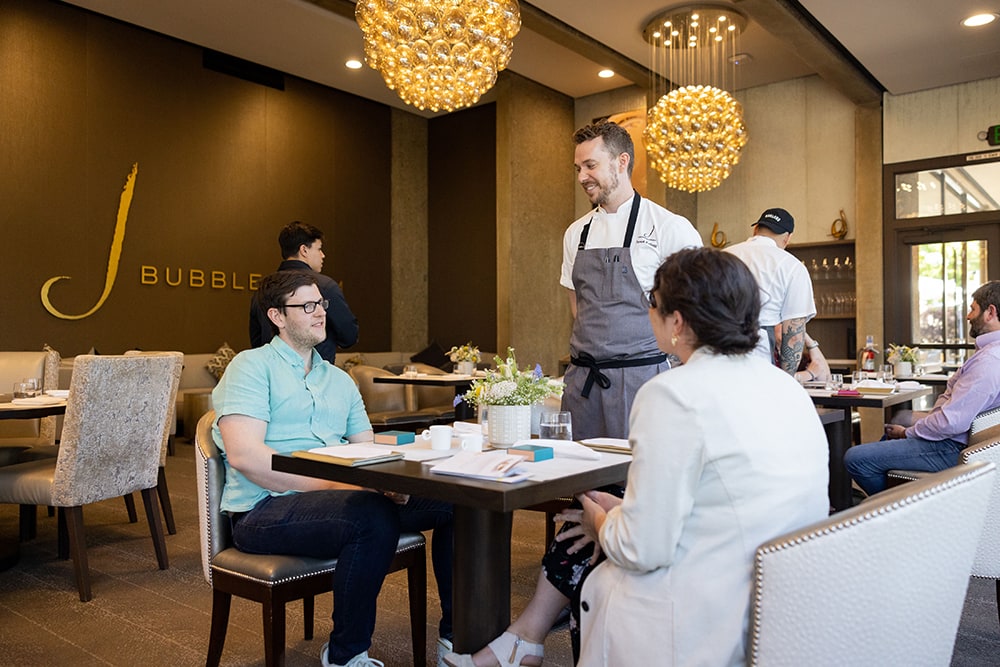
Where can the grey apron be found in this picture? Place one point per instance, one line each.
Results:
(612, 349)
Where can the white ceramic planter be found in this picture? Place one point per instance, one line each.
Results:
(508, 423)
(902, 369)
(465, 367)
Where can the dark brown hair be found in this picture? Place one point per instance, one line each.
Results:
(295, 235)
(274, 290)
(616, 139)
(988, 295)
(716, 294)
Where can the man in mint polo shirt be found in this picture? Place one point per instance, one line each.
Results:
(285, 397)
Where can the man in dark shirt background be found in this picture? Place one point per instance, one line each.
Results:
(302, 250)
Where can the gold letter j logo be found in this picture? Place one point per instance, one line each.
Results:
(113, 257)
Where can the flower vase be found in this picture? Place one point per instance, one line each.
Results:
(902, 369)
(509, 423)
(465, 367)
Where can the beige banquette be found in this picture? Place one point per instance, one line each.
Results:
(20, 434)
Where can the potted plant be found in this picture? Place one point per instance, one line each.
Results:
(903, 359)
(508, 394)
(465, 358)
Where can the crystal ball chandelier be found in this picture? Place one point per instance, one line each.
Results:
(695, 134)
(438, 54)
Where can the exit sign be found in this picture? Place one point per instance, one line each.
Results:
(993, 135)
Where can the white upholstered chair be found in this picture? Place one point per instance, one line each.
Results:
(882, 583)
(111, 438)
(274, 579)
(984, 445)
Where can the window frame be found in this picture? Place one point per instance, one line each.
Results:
(900, 234)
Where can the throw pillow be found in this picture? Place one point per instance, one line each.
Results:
(217, 363)
(432, 355)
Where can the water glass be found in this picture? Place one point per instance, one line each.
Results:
(410, 371)
(33, 385)
(836, 382)
(555, 426)
(858, 377)
(22, 390)
(887, 373)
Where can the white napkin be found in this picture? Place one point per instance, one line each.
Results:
(565, 449)
(38, 400)
(908, 385)
(58, 393)
(466, 427)
(874, 384)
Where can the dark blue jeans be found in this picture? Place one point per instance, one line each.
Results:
(360, 529)
(869, 463)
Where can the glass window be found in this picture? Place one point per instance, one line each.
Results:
(971, 188)
(945, 276)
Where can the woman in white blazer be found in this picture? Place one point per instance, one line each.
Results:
(728, 452)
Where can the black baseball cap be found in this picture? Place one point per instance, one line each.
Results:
(777, 220)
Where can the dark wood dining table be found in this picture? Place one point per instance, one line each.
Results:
(483, 516)
(461, 383)
(839, 437)
(9, 551)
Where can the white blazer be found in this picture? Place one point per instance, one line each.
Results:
(728, 452)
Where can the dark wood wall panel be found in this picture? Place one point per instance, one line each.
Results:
(223, 163)
(462, 199)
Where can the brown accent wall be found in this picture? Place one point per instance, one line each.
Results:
(222, 164)
(462, 257)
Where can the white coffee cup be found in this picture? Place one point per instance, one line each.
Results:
(471, 442)
(439, 435)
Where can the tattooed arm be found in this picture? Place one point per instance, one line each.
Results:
(793, 336)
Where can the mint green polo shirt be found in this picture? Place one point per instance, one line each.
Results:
(302, 411)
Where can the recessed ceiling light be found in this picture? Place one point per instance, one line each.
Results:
(606, 73)
(353, 64)
(740, 58)
(977, 20)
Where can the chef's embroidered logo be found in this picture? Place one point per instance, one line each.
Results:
(647, 239)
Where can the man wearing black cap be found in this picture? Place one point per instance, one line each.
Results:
(786, 294)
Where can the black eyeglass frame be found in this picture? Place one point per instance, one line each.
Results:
(651, 299)
(309, 307)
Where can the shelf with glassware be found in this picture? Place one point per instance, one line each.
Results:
(831, 266)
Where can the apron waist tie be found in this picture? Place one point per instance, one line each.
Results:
(587, 360)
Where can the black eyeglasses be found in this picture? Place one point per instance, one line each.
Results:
(651, 298)
(309, 306)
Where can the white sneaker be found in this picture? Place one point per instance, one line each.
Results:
(444, 647)
(360, 660)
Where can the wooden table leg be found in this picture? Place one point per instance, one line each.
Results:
(838, 436)
(481, 568)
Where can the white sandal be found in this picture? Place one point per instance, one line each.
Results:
(508, 648)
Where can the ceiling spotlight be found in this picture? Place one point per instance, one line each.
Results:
(606, 73)
(740, 58)
(977, 20)
(353, 64)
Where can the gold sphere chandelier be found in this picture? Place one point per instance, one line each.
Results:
(438, 54)
(695, 134)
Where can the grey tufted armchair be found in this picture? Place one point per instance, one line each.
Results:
(274, 580)
(882, 583)
(112, 432)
